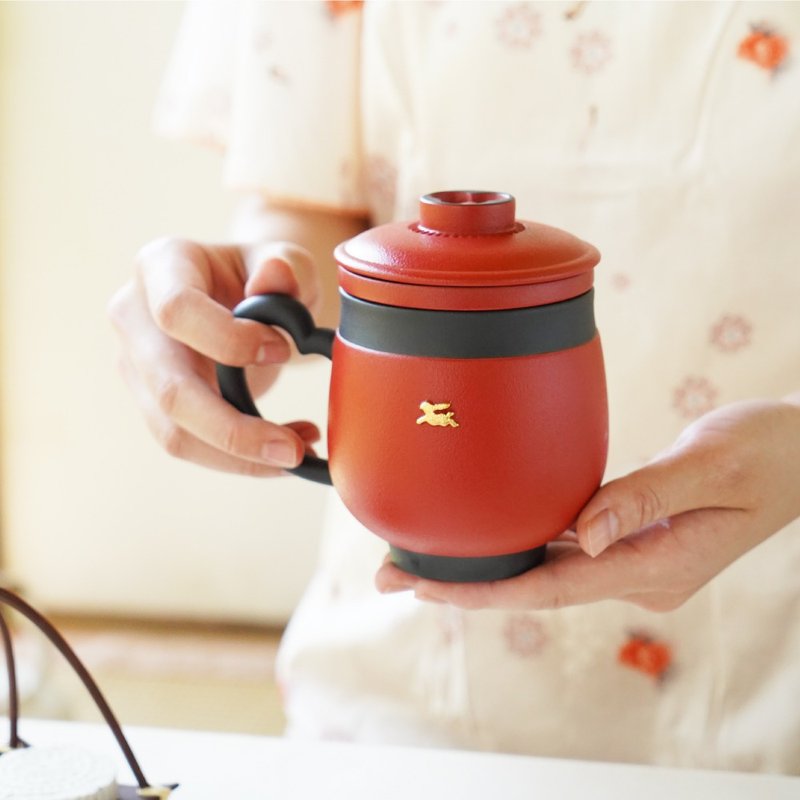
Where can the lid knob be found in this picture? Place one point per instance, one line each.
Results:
(467, 213)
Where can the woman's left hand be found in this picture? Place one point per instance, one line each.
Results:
(657, 535)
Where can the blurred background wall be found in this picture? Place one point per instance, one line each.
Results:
(96, 519)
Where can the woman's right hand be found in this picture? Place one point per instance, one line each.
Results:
(174, 320)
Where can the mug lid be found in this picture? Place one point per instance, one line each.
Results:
(467, 239)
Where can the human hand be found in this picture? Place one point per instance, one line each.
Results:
(657, 535)
(174, 320)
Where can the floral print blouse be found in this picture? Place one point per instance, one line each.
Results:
(668, 135)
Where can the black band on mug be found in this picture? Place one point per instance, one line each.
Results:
(468, 334)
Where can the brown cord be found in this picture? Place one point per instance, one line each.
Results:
(17, 603)
(13, 694)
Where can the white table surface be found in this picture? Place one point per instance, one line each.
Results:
(238, 767)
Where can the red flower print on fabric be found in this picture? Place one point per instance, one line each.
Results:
(519, 26)
(764, 48)
(647, 655)
(694, 397)
(338, 7)
(525, 635)
(731, 333)
(591, 52)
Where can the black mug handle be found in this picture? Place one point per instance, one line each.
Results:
(291, 315)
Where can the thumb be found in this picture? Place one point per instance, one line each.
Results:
(666, 487)
(285, 268)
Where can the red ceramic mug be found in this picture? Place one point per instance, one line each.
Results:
(468, 421)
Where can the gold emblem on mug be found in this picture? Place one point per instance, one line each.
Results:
(436, 414)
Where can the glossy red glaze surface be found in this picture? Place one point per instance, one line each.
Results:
(528, 452)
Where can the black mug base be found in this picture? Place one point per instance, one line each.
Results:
(467, 570)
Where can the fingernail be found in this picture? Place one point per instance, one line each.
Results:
(270, 353)
(601, 531)
(280, 452)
